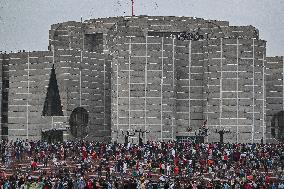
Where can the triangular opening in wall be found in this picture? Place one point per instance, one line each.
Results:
(52, 104)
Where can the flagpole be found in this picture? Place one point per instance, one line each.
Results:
(132, 7)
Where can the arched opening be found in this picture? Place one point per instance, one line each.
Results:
(78, 122)
(277, 126)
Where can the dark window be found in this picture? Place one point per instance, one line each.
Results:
(94, 42)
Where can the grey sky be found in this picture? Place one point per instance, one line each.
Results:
(24, 24)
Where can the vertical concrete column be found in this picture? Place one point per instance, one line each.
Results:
(189, 82)
(253, 93)
(173, 97)
(129, 86)
(2, 57)
(206, 84)
(104, 94)
(283, 83)
(53, 61)
(161, 89)
(83, 36)
(145, 88)
(264, 98)
(117, 127)
(206, 79)
(28, 96)
(69, 37)
(237, 90)
(221, 80)
(80, 88)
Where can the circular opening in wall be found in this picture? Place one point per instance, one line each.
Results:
(78, 122)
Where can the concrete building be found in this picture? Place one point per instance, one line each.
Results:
(165, 76)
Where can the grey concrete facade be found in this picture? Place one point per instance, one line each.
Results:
(83, 81)
(139, 73)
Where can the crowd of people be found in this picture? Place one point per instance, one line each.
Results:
(153, 165)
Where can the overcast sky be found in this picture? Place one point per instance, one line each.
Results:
(24, 24)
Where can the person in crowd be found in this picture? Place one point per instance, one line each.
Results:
(157, 164)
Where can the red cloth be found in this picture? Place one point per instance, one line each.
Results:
(34, 164)
(137, 165)
(176, 170)
(250, 177)
(176, 160)
(90, 185)
(210, 162)
(160, 165)
(84, 153)
(248, 186)
(267, 179)
(226, 158)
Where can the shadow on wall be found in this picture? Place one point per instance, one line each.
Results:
(277, 126)
(52, 104)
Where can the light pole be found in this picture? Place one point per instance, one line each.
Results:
(126, 136)
(132, 1)
(141, 135)
(221, 134)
